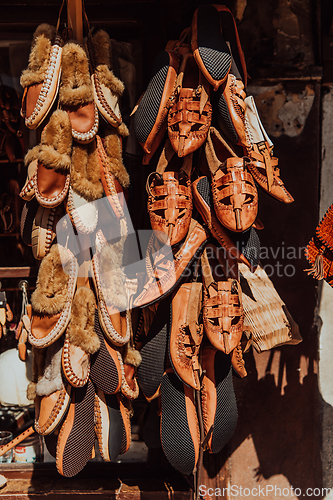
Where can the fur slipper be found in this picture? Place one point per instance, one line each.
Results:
(28, 190)
(113, 149)
(109, 280)
(108, 425)
(85, 174)
(77, 435)
(51, 380)
(76, 95)
(41, 78)
(107, 87)
(52, 299)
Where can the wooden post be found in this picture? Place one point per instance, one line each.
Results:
(74, 19)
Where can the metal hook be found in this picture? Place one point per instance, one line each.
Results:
(23, 285)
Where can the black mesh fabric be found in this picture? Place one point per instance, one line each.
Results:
(103, 370)
(252, 248)
(80, 441)
(176, 437)
(226, 406)
(153, 352)
(204, 189)
(224, 120)
(213, 49)
(146, 114)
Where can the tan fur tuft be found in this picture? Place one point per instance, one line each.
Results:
(81, 326)
(107, 77)
(112, 146)
(51, 286)
(56, 142)
(39, 56)
(112, 276)
(132, 356)
(102, 48)
(31, 391)
(31, 155)
(85, 174)
(123, 130)
(75, 86)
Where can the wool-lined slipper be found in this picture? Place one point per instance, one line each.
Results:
(75, 364)
(167, 271)
(209, 47)
(170, 205)
(108, 425)
(77, 435)
(264, 165)
(44, 230)
(218, 401)
(52, 177)
(150, 119)
(130, 359)
(85, 174)
(190, 115)
(107, 87)
(50, 410)
(83, 214)
(180, 435)
(105, 371)
(186, 333)
(52, 299)
(41, 78)
(28, 190)
(109, 280)
(76, 95)
(202, 197)
(153, 351)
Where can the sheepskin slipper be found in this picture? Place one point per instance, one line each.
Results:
(85, 172)
(107, 87)
(50, 410)
(105, 369)
(52, 299)
(41, 78)
(108, 425)
(76, 95)
(75, 364)
(109, 280)
(129, 384)
(77, 435)
(44, 230)
(83, 214)
(52, 177)
(28, 190)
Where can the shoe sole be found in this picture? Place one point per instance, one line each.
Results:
(108, 425)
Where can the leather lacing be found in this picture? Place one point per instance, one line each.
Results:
(42, 429)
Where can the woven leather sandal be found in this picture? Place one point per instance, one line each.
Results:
(41, 78)
(76, 95)
(108, 425)
(180, 434)
(235, 196)
(186, 333)
(77, 435)
(218, 401)
(263, 166)
(50, 410)
(209, 47)
(52, 299)
(237, 361)
(150, 119)
(190, 116)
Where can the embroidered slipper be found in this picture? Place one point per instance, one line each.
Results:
(52, 299)
(75, 364)
(264, 165)
(76, 95)
(190, 115)
(218, 401)
(150, 119)
(109, 280)
(167, 270)
(180, 435)
(50, 410)
(52, 179)
(77, 435)
(107, 87)
(28, 191)
(105, 371)
(186, 333)
(209, 47)
(108, 425)
(153, 351)
(41, 78)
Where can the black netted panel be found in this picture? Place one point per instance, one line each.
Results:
(146, 114)
(81, 438)
(103, 371)
(176, 437)
(203, 187)
(224, 120)
(213, 49)
(252, 248)
(151, 368)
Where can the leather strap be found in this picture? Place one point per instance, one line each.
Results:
(213, 162)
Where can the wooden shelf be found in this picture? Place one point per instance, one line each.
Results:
(18, 272)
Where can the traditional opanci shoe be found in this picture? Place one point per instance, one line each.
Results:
(237, 361)
(41, 78)
(108, 425)
(50, 410)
